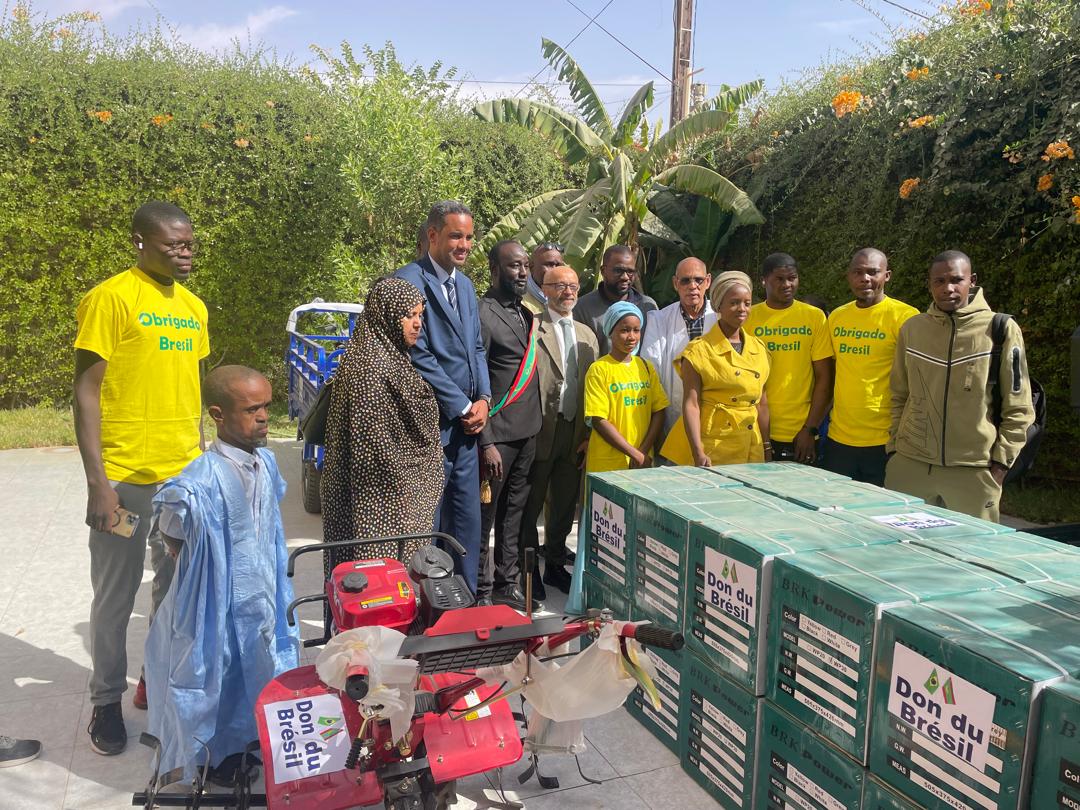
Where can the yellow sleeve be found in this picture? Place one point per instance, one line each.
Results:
(101, 317)
(204, 342)
(597, 401)
(822, 347)
(659, 397)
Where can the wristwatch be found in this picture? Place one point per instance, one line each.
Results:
(813, 430)
(486, 398)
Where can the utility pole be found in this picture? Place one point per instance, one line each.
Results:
(680, 64)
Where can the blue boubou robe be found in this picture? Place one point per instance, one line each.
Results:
(220, 634)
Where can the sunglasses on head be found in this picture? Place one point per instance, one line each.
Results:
(550, 246)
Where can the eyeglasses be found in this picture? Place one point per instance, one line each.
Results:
(550, 246)
(562, 286)
(623, 271)
(176, 248)
(693, 281)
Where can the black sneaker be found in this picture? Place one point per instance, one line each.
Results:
(107, 733)
(558, 577)
(16, 752)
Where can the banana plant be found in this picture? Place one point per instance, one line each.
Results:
(627, 167)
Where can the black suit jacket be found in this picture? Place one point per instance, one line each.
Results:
(505, 343)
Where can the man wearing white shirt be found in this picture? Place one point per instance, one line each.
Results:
(669, 330)
(566, 350)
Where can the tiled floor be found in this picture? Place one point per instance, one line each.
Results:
(45, 666)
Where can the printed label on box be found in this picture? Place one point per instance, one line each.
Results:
(731, 585)
(609, 525)
(954, 714)
(914, 521)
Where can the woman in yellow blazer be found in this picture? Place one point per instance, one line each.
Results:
(725, 415)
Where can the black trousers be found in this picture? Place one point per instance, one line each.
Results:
(508, 498)
(860, 463)
(555, 484)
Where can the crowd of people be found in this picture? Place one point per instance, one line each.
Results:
(475, 415)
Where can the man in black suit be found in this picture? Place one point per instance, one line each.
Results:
(449, 354)
(508, 439)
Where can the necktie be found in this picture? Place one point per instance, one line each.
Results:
(451, 292)
(568, 395)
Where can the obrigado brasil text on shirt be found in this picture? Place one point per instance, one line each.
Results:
(632, 385)
(166, 344)
(856, 334)
(766, 332)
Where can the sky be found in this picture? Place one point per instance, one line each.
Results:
(495, 46)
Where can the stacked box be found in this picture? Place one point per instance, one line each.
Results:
(824, 614)
(720, 744)
(1056, 774)
(771, 475)
(958, 682)
(925, 522)
(830, 495)
(729, 581)
(609, 515)
(1024, 557)
(668, 722)
(662, 527)
(798, 768)
(877, 796)
(600, 595)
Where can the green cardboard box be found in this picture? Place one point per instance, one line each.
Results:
(609, 515)
(1027, 558)
(1056, 773)
(766, 475)
(729, 582)
(662, 528)
(798, 768)
(958, 686)
(720, 745)
(925, 522)
(877, 796)
(824, 615)
(829, 495)
(667, 723)
(600, 595)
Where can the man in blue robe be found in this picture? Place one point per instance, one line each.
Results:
(220, 634)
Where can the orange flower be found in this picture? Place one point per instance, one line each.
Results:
(62, 33)
(21, 13)
(1045, 182)
(921, 121)
(973, 8)
(997, 77)
(208, 125)
(1058, 150)
(908, 186)
(846, 102)
(243, 143)
(91, 16)
(104, 116)
(918, 73)
(160, 120)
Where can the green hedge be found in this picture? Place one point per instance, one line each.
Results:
(299, 183)
(1002, 82)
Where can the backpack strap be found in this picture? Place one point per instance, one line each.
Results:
(998, 325)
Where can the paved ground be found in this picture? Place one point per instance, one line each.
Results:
(45, 665)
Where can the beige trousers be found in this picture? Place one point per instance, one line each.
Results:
(971, 490)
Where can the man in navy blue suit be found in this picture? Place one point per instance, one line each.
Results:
(449, 354)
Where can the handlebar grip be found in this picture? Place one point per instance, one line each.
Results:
(652, 636)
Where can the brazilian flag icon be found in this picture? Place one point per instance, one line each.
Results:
(933, 682)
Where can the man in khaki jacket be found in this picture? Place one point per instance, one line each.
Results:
(566, 350)
(944, 444)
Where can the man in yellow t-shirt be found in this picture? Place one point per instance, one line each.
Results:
(864, 333)
(137, 416)
(801, 361)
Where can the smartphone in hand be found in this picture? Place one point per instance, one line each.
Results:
(124, 522)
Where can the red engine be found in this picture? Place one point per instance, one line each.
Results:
(370, 593)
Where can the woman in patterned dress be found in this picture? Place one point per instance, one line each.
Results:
(383, 468)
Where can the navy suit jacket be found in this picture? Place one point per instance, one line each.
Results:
(449, 353)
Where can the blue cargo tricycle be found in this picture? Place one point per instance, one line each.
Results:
(311, 359)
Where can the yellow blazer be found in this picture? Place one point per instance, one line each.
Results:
(731, 387)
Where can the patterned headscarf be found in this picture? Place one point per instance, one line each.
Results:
(383, 474)
(724, 282)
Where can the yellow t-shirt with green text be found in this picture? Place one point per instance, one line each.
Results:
(864, 342)
(627, 395)
(794, 337)
(152, 337)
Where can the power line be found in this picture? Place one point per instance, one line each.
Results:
(568, 44)
(908, 10)
(640, 58)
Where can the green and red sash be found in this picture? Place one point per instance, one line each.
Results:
(526, 371)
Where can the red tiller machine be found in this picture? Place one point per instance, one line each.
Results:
(331, 749)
